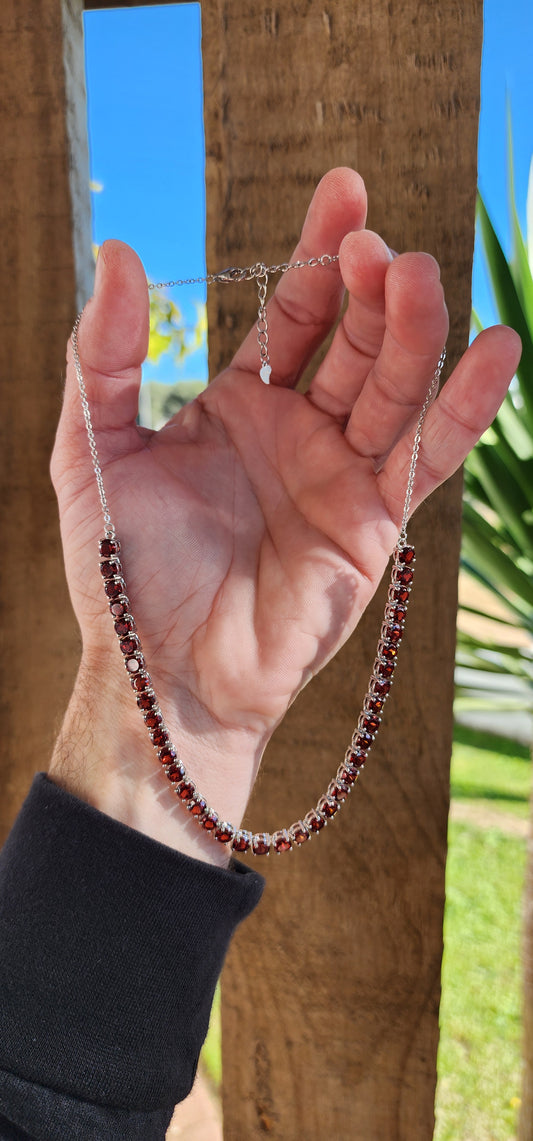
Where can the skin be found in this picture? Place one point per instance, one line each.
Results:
(257, 524)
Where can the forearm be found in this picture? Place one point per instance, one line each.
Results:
(104, 756)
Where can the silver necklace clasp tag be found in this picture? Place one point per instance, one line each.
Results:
(231, 274)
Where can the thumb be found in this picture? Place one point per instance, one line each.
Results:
(112, 344)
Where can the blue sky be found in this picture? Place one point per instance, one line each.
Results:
(144, 81)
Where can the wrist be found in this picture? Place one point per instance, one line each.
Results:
(104, 756)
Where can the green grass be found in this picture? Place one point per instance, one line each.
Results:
(492, 771)
(479, 1054)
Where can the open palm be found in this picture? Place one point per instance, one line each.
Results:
(257, 524)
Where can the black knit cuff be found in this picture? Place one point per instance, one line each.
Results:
(111, 945)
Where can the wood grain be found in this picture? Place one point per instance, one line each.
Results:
(331, 990)
(39, 233)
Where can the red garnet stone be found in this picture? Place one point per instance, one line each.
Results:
(160, 738)
(356, 759)
(405, 576)
(153, 719)
(209, 821)
(281, 841)
(224, 833)
(381, 688)
(406, 555)
(337, 790)
(197, 806)
(242, 841)
(314, 821)
(114, 586)
(124, 626)
(327, 806)
(141, 681)
(168, 756)
(384, 669)
(347, 775)
(176, 772)
(299, 832)
(119, 609)
(261, 844)
(109, 570)
(109, 547)
(399, 594)
(186, 789)
(146, 700)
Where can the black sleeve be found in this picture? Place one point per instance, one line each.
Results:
(111, 945)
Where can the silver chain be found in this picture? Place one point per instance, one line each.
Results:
(433, 388)
(109, 526)
(234, 273)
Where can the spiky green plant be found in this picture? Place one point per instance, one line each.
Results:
(498, 504)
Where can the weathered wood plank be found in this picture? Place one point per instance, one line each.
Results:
(331, 991)
(44, 241)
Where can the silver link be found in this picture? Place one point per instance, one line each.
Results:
(432, 391)
(235, 273)
(109, 525)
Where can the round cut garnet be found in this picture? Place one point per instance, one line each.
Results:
(160, 738)
(399, 594)
(314, 820)
(355, 759)
(141, 681)
(406, 555)
(281, 841)
(242, 841)
(129, 645)
(124, 626)
(337, 790)
(384, 669)
(363, 741)
(109, 547)
(224, 833)
(168, 756)
(261, 844)
(392, 632)
(209, 820)
(146, 700)
(399, 615)
(109, 570)
(153, 719)
(379, 687)
(347, 775)
(403, 575)
(186, 789)
(388, 652)
(299, 832)
(176, 772)
(374, 704)
(197, 806)
(369, 724)
(327, 806)
(114, 586)
(119, 608)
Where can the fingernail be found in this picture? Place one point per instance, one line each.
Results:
(392, 253)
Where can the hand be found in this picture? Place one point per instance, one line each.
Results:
(256, 525)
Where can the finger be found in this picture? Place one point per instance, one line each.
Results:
(363, 259)
(416, 327)
(112, 341)
(306, 302)
(463, 410)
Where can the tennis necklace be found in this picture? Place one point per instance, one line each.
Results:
(184, 788)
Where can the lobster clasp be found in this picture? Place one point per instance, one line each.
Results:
(232, 273)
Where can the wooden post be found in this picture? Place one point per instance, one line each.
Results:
(45, 241)
(331, 990)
